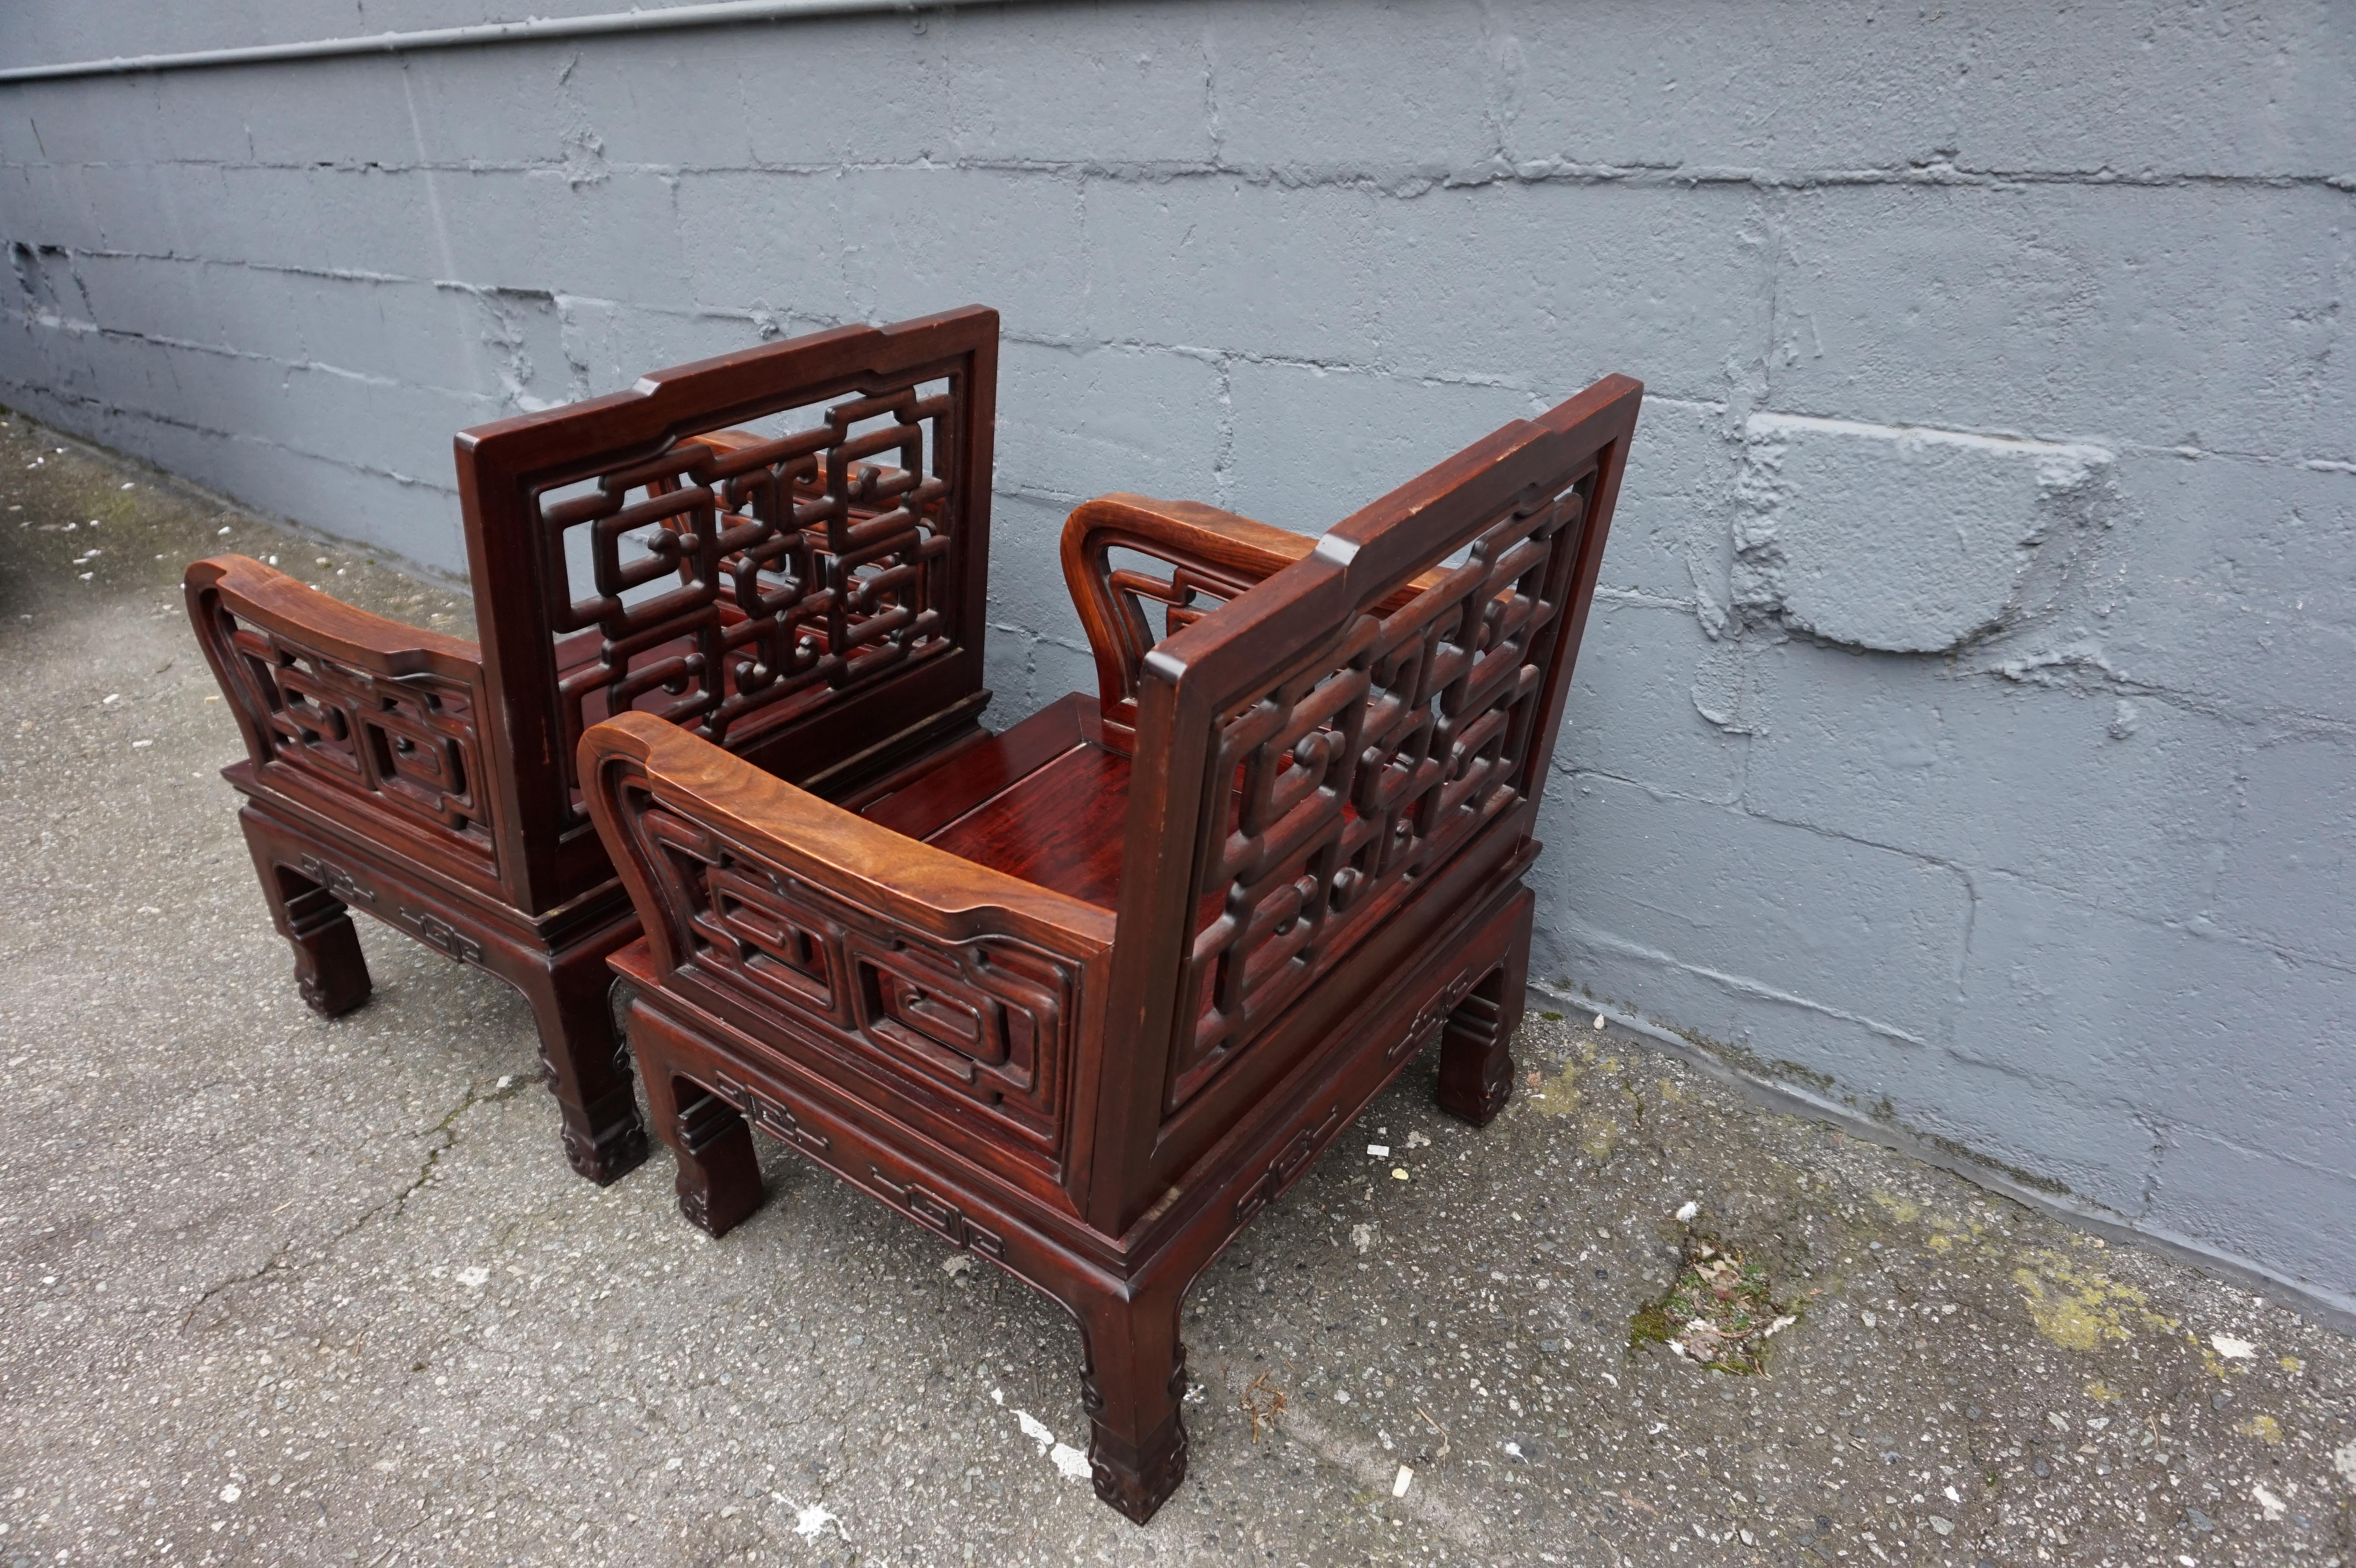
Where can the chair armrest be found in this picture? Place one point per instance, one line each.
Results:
(656, 791)
(376, 713)
(1209, 552)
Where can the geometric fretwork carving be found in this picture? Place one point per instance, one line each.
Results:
(1367, 766)
(798, 566)
(940, 1216)
(1289, 1162)
(406, 742)
(770, 1115)
(987, 1020)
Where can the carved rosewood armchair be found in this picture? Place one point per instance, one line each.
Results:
(781, 551)
(1086, 997)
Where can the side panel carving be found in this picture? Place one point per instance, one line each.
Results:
(405, 744)
(1365, 770)
(987, 1020)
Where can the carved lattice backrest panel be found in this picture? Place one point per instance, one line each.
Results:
(987, 1022)
(1367, 766)
(741, 578)
(404, 743)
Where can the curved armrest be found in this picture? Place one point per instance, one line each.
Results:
(656, 791)
(269, 598)
(384, 715)
(1209, 552)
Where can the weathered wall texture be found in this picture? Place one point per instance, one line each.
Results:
(1968, 729)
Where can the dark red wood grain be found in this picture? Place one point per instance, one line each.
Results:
(1086, 997)
(427, 781)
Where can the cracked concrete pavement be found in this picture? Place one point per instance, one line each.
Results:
(274, 1288)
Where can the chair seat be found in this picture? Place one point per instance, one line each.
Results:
(1047, 802)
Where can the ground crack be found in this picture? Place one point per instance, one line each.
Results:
(445, 1136)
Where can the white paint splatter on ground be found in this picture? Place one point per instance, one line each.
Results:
(1071, 1461)
(810, 1522)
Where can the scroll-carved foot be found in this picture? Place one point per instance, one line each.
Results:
(1476, 1063)
(328, 967)
(1131, 1383)
(1476, 1069)
(608, 1141)
(1138, 1478)
(588, 1070)
(719, 1174)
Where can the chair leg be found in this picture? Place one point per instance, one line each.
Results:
(587, 1068)
(1131, 1380)
(1476, 1064)
(719, 1183)
(328, 967)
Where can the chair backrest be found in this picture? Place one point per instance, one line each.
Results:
(741, 546)
(1327, 747)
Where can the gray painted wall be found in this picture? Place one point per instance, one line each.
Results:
(1965, 732)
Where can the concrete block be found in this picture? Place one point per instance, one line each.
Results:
(850, 90)
(615, 239)
(1672, 532)
(1845, 929)
(1632, 713)
(918, 241)
(770, 240)
(1781, 1038)
(2237, 587)
(2236, 90)
(132, 207)
(2217, 1034)
(1081, 421)
(1984, 772)
(350, 111)
(490, 109)
(1399, 91)
(379, 425)
(144, 295)
(2289, 858)
(1562, 283)
(2094, 1145)
(1036, 652)
(689, 105)
(2247, 1201)
(381, 221)
(608, 346)
(2060, 310)
(1132, 84)
(87, 120)
(1312, 445)
(1907, 539)
(20, 142)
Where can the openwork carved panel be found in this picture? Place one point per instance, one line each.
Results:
(742, 577)
(989, 1020)
(1365, 769)
(406, 743)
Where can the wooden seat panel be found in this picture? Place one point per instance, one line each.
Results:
(1046, 801)
(1058, 827)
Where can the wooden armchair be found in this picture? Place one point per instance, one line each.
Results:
(806, 592)
(1086, 997)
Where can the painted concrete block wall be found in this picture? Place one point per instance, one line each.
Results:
(1967, 729)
